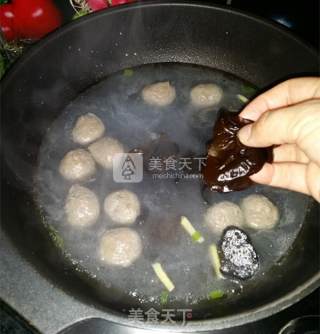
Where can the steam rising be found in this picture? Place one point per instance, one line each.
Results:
(178, 129)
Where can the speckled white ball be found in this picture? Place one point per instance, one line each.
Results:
(206, 95)
(104, 150)
(259, 212)
(224, 214)
(120, 247)
(77, 165)
(122, 207)
(82, 206)
(87, 129)
(159, 94)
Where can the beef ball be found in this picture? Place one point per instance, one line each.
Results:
(222, 215)
(123, 207)
(159, 94)
(87, 129)
(82, 206)
(120, 247)
(104, 150)
(206, 95)
(77, 165)
(259, 212)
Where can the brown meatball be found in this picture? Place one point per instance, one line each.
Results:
(259, 212)
(77, 165)
(123, 207)
(87, 129)
(104, 150)
(159, 94)
(82, 206)
(120, 247)
(206, 95)
(222, 215)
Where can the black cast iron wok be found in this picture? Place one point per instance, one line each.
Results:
(56, 70)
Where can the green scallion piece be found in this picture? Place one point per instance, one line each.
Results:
(163, 277)
(242, 98)
(216, 294)
(164, 297)
(197, 237)
(215, 259)
(128, 72)
(55, 237)
(248, 90)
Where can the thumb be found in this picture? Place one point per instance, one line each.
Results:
(298, 124)
(271, 128)
(287, 93)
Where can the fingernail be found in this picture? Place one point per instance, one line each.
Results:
(244, 133)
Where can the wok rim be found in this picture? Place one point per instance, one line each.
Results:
(151, 3)
(259, 312)
(228, 321)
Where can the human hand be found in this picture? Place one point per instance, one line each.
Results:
(288, 116)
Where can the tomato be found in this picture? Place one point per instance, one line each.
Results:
(35, 18)
(97, 4)
(6, 22)
(119, 2)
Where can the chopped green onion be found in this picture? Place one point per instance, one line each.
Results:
(216, 294)
(242, 98)
(195, 235)
(163, 277)
(248, 90)
(55, 236)
(215, 260)
(164, 297)
(128, 72)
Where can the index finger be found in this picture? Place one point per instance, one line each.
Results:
(286, 93)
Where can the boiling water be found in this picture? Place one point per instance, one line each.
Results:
(178, 129)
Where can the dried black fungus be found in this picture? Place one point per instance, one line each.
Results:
(229, 162)
(238, 256)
